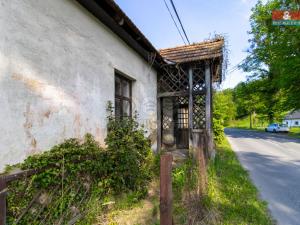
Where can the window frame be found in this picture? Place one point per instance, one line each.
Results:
(121, 97)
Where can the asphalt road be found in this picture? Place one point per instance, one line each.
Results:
(273, 161)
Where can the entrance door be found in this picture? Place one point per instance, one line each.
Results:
(182, 127)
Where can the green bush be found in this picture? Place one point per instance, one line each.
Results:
(69, 173)
(218, 129)
(129, 154)
(74, 170)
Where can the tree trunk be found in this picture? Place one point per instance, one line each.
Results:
(251, 120)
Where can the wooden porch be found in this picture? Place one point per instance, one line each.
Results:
(185, 96)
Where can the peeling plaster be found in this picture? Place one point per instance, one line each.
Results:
(57, 67)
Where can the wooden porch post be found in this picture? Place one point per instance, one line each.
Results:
(166, 189)
(190, 107)
(3, 187)
(159, 122)
(208, 109)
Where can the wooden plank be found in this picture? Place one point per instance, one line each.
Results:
(166, 189)
(19, 174)
(208, 105)
(173, 94)
(202, 166)
(190, 104)
(159, 124)
(180, 93)
(28, 207)
(199, 155)
(3, 187)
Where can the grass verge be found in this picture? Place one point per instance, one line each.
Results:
(125, 209)
(294, 132)
(231, 191)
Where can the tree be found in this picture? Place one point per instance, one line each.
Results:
(248, 99)
(274, 55)
(224, 107)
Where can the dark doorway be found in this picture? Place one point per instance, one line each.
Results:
(181, 118)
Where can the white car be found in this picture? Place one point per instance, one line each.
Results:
(275, 127)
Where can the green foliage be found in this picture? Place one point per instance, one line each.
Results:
(218, 129)
(76, 172)
(295, 132)
(69, 173)
(184, 183)
(258, 97)
(231, 192)
(224, 106)
(250, 104)
(224, 112)
(274, 53)
(129, 154)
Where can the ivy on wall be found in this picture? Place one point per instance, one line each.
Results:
(75, 170)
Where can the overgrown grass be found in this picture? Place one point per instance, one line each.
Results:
(295, 132)
(231, 191)
(128, 208)
(244, 123)
(184, 181)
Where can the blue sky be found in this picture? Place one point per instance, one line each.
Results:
(201, 19)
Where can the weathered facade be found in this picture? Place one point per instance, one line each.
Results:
(57, 73)
(292, 119)
(61, 61)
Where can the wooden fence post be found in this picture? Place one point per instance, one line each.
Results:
(3, 187)
(166, 189)
(202, 166)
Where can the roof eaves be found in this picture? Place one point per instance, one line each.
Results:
(111, 15)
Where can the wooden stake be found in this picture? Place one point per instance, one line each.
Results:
(3, 187)
(166, 189)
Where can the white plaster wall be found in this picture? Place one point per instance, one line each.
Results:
(292, 123)
(57, 73)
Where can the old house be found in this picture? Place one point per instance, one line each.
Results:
(62, 61)
(292, 119)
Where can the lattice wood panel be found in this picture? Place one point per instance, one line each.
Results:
(167, 116)
(182, 100)
(199, 112)
(198, 79)
(173, 79)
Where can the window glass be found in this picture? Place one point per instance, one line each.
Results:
(122, 97)
(117, 108)
(125, 88)
(126, 108)
(118, 83)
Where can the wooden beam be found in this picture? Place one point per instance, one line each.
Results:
(199, 155)
(208, 107)
(159, 124)
(190, 105)
(180, 93)
(3, 187)
(173, 94)
(166, 189)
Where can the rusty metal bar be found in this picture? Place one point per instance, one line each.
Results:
(166, 189)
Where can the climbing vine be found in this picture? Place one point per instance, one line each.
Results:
(74, 170)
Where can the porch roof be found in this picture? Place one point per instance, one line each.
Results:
(194, 52)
